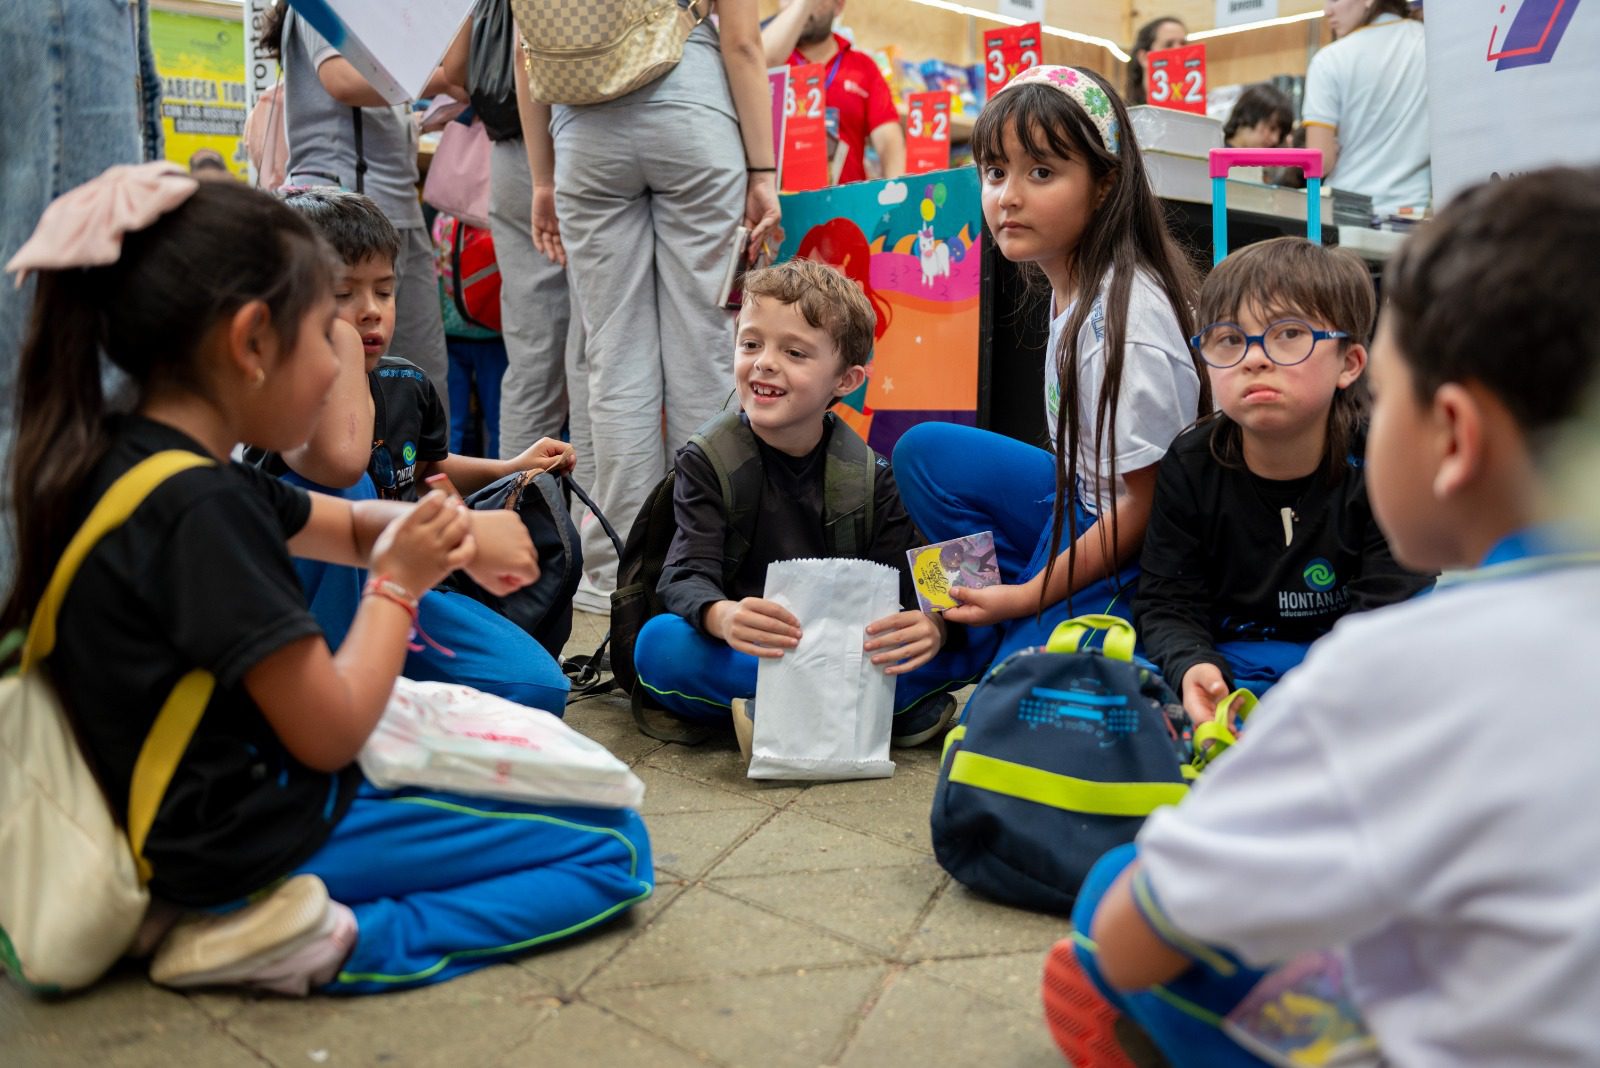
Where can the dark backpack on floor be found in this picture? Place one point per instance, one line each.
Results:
(848, 485)
(543, 609)
(1059, 756)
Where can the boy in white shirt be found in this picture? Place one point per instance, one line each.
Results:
(1415, 796)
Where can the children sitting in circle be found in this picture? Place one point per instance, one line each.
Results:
(1065, 190)
(1405, 811)
(391, 405)
(1260, 535)
(804, 337)
(217, 302)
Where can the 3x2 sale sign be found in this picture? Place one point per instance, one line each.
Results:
(927, 132)
(1176, 78)
(1007, 52)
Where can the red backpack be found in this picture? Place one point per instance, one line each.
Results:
(468, 268)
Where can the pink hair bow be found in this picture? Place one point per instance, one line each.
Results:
(84, 226)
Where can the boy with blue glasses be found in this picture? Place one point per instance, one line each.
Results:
(1260, 535)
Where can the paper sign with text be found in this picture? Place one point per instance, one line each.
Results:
(928, 132)
(805, 129)
(1006, 52)
(1176, 78)
(394, 44)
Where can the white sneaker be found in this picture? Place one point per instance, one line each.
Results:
(287, 942)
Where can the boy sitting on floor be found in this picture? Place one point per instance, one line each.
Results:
(804, 338)
(1413, 796)
(411, 433)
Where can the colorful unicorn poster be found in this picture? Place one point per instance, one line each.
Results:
(912, 246)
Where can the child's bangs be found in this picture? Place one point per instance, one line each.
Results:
(1046, 121)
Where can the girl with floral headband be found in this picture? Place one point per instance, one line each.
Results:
(216, 301)
(1066, 195)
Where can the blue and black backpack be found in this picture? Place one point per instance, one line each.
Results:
(1059, 756)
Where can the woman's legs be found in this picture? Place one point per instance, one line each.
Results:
(605, 208)
(442, 884)
(693, 159)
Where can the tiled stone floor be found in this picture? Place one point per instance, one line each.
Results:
(791, 925)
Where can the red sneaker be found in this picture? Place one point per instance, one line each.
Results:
(1082, 1022)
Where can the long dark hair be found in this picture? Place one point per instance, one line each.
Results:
(1126, 233)
(148, 314)
(1141, 43)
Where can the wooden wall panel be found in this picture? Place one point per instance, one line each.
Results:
(1199, 14)
(1241, 58)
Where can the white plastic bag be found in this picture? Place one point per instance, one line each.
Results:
(823, 711)
(442, 736)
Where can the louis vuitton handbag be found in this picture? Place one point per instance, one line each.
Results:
(591, 51)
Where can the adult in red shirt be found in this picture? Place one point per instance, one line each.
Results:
(801, 33)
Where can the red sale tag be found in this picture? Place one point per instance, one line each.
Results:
(1176, 78)
(927, 132)
(805, 130)
(1006, 52)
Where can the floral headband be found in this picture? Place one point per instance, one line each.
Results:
(84, 227)
(1082, 89)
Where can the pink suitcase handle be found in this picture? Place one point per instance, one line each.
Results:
(1223, 160)
(1308, 160)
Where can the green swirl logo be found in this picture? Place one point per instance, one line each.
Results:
(409, 453)
(1319, 575)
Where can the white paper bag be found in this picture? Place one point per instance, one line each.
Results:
(443, 736)
(823, 711)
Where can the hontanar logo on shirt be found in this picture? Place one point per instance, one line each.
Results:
(409, 455)
(1319, 575)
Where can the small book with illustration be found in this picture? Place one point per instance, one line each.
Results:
(968, 562)
(1301, 1014)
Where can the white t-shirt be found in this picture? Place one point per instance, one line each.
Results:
(1159, 395)
(1420, 795)
(1372, 87)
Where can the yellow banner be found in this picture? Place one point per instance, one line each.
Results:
(201, 62)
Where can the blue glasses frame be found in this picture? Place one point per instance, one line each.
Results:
(1261, 339)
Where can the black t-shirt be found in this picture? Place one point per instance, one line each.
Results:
(1216, 566)
(410, 427)
(198, 577)
(788, 527)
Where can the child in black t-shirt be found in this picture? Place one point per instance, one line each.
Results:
(411, 431)
(1260, 536)
(804, 338)
(216, 301)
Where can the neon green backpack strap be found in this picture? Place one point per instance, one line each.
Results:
(180, 714)
(1062, 791)
(1217, 735)
(1070, 634)
(848, 487)
(730, 445)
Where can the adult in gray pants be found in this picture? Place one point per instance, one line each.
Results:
(649, 190)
